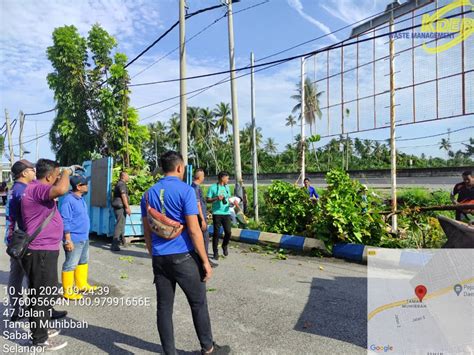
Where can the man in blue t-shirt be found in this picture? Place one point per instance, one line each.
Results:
(76, 239)
(313, 195)
(182, 260)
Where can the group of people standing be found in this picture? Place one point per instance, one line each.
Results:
(33, 208)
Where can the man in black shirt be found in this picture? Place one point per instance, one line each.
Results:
(465, 192)
(121, 206)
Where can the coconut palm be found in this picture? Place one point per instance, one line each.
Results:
(174, 134)
(446, 145)
(311, 103)
(270, 146)
(222, 114)
(291, 121)
(208, 123)
(194, 132)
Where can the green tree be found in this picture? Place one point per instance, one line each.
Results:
(92, 100)
(71, 137)
(311, 103)
(222, 114)
(290, 122)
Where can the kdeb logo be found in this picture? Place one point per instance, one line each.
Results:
(381, 348)
(435, 26)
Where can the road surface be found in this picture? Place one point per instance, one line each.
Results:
(258, 305)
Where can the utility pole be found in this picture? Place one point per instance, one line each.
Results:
(125, 122)
(182, 84)
(302, 123)
(393, 149)
(20, 137)
(233, 91)
(254, 139)
(9, 135)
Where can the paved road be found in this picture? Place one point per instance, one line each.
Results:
(258, 305)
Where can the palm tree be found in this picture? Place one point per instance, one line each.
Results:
(291, 121)
(174, 133)
(209, 135)
(311, 103)
(222, 113)
(270, 146)
(446, 145)
(194, 131)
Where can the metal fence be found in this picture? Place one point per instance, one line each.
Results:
(355, 79)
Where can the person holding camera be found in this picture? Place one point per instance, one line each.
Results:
(41, 259)
(219, 194)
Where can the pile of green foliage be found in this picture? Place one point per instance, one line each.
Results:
(288, 208)
(421, 230)
(348, 213)
(140, 181)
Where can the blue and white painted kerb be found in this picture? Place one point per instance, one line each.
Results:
(284, 241)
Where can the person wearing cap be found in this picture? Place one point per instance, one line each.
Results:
(76, 240)
(23, 173)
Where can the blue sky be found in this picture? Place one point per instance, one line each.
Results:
(26, 28)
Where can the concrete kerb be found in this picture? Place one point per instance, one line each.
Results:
(347, 251)
(284, 241)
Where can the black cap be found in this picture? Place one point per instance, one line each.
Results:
(78, 180)
(20, 166)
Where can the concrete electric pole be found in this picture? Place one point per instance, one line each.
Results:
(254, 140)
(182, 83)
(233, 91)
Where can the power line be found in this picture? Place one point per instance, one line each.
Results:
(430, 145)
(169, 30)
(197, 91)
(196, 35)
(32, 140)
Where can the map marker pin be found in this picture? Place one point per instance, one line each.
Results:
(420, 292)
(458, 289)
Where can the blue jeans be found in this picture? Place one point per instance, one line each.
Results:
(79, 255)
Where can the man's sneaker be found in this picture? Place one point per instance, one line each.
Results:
(115, 248)
(213, 264)
(53, 332)
(58, 314)
(51, 345)
(217, 350)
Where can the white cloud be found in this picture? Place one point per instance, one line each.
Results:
(350, 11)
(298, 6)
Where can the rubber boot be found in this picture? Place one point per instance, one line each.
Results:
(80, 274)
(68, 286)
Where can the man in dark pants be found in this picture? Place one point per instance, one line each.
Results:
(23, 173)
(219, 194)
(198, 179)
(181, 260)
(41, 259)
(121, 207)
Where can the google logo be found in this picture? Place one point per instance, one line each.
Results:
(381, 348)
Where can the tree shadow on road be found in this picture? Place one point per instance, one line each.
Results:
(337, 309)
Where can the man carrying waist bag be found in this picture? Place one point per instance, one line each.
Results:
(181, 259)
